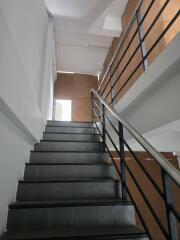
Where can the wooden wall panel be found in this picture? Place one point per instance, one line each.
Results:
(163, 20)
(153, 168)
(76, 87)
(168, 14)
(156, 30)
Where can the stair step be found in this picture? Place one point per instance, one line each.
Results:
(89, 233)
(75, 130)
(70, 124)
(66, 171)
(68, 203)
(71, 137)
(70, 216)
(68, 157)
(70, 146)
(68, 190)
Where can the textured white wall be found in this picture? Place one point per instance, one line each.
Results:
(28, 24)
(14, 152)
(26, 53)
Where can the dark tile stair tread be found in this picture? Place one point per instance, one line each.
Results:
(71, 141)
(73, 164)
(70, 126)
(72, 133)
(69, 180)
(105, 232)
(40, 151)
(69, 121)
(68, 203)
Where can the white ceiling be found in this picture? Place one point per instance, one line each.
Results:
(84, 30)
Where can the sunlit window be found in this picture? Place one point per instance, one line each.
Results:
(63, 110)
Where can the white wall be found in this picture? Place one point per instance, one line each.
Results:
(152, 104)
(14, 152)
(49, 77)
(26, 70)
(28, 25)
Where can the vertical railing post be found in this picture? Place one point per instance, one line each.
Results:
(122, 161)
(111, 83)
(141, 36)
(172, 225)
(103, 127)
(92, 106)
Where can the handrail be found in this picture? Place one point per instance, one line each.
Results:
(133, 53)
(159, 158)
(119, 45)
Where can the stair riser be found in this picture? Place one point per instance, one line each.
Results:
(70, 146)
(69, 124)
(68, 157)
(68, 191)
(33, 172)
(71, 137)
(71, 130)
(39, 218)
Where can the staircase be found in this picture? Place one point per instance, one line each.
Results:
(69, 190)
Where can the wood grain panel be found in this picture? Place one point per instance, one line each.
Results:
(76, 87)
(163, 20)
(156, 201)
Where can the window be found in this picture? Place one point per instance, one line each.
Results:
(63, 110)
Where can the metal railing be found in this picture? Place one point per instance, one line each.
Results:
(101, 113)
(111, 86)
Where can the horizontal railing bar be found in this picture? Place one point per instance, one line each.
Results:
(164, 163)
(125, 67)
(122, 39)
(125, 52)
(141, 22)
(97, 116)
(112, 124)
(138, 212)
(127, 31)
(155, 19)
(138, 46)
(147, 202)
(131, 197)
(135, 70)
(110, 154)
(121, 59)
(149, 51)
(98, 128)
(147, 11)
(137, 185)
(134, 53)
(137, 160)
(108, 82)
(114, 145)
(163, 33)
(98, 107)
(174, 211)
(145, 171)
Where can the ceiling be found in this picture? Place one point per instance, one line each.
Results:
(84, 30)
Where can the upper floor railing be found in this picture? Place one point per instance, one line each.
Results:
(143, 40)
(111, 127)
